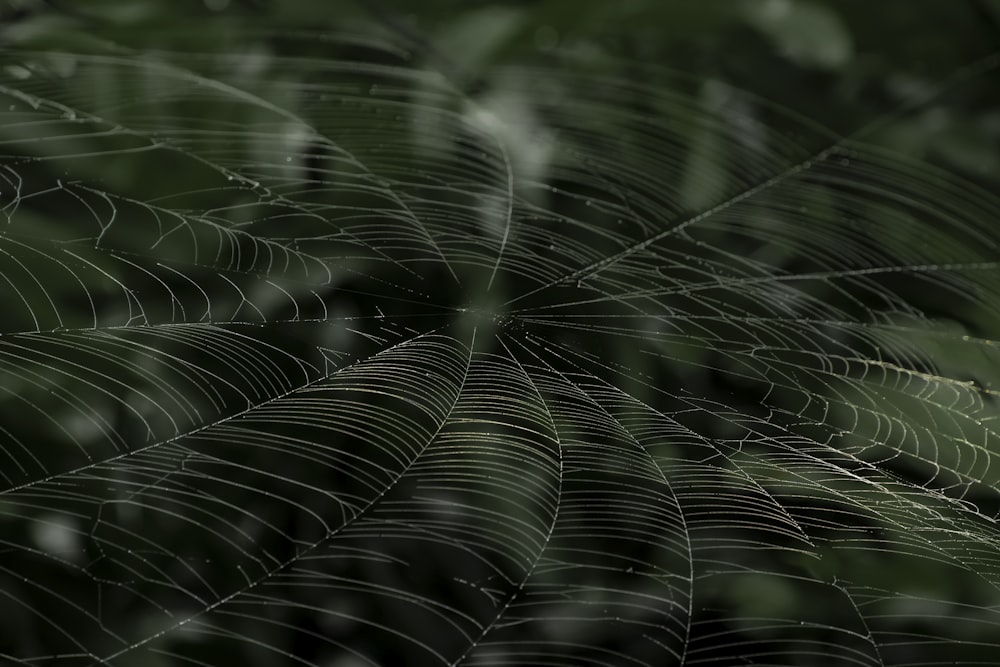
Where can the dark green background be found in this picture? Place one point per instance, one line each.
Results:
(915, 81)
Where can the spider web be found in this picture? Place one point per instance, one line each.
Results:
(323, 360)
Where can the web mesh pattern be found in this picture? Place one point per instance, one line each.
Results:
(326, 361)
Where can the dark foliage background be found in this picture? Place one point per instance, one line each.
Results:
(547, 332)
